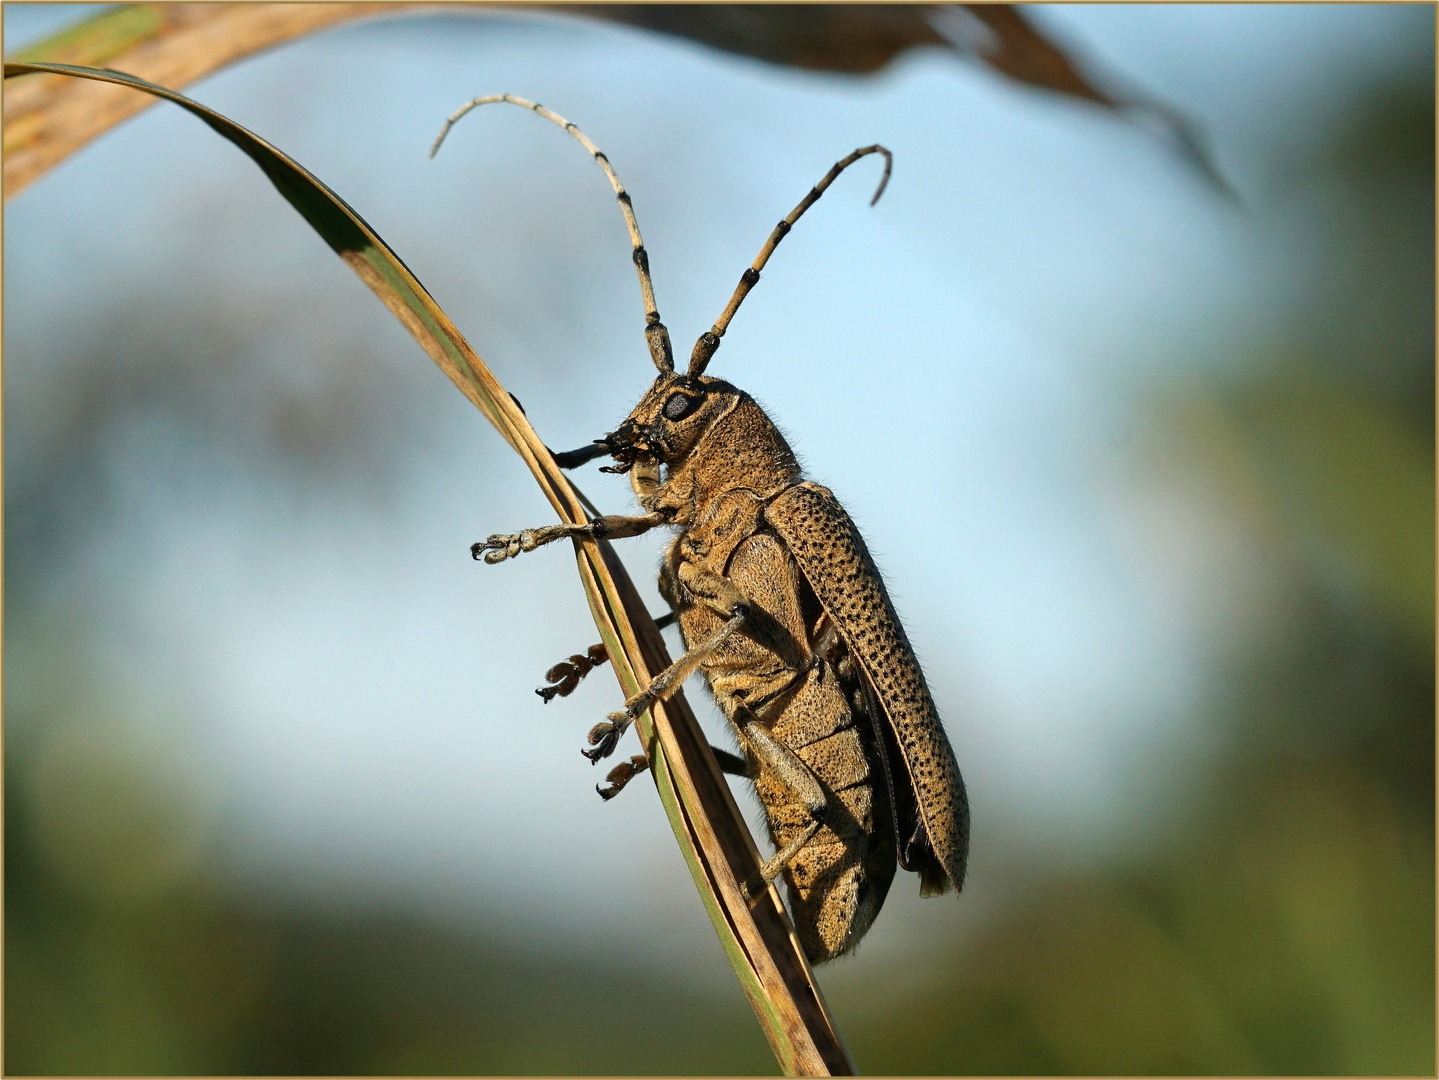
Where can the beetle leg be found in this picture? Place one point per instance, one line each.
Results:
(778, 861)
(621, 775)
(731, 763)
(626, 771)
(566, 675)
(785, 764)
(604, 735)
(502, 546)
(717, 592)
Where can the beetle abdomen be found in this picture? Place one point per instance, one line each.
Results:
(838, 881)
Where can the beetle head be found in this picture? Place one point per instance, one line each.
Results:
(670, 419)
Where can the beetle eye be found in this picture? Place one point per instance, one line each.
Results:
(678, 406)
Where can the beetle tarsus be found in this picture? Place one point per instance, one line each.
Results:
(502, 546)
(603, 737)
(566, 675)
(621, 775)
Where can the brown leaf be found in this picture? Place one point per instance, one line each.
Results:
(48, 118)
(1015, 48)
(1002, 36)
(851, 38)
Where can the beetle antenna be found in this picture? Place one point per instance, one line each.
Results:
(709, 341)
(657, 337)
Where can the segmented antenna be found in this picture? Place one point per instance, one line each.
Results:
(709, 341)
(656, 336)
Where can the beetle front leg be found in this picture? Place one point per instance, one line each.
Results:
(502, 546)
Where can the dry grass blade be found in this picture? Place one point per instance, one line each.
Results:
(757, 938)
(49, 118)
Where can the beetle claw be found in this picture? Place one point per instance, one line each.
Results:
(496, 549)
(501, 546)
(603, 738)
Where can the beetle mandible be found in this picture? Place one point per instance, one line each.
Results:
(783, 611)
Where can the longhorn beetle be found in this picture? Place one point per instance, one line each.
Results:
(782, 609)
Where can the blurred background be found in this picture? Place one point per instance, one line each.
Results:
(1149, 469)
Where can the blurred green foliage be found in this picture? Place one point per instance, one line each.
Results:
(1282, 923)
(1286, 923)
(190, 979)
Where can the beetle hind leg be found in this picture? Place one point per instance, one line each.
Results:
(775, 864)
(626, 771)
(801, 781)
(732, 763)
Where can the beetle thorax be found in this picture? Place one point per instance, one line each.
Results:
(741, 450)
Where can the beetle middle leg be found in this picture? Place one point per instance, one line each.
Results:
(604, 735)
(726, 598)
(566, 675)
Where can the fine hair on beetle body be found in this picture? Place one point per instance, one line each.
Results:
(783, 612)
